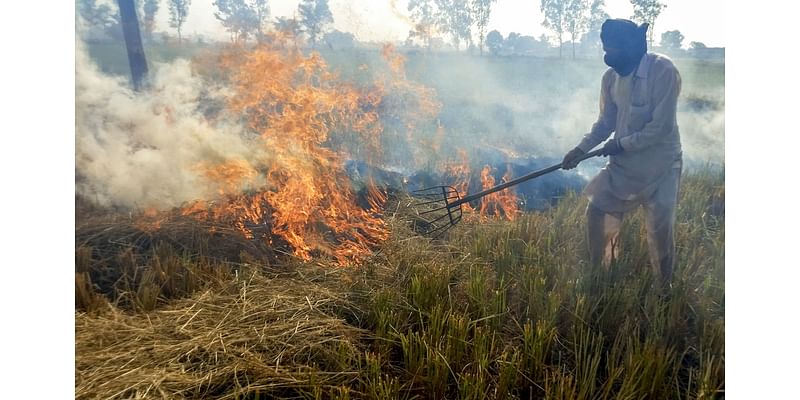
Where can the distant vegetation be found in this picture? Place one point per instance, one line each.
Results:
(439, 25)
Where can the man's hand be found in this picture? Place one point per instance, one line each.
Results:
(612, 147)
(571, 159)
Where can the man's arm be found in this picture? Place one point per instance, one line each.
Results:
(606, 121)
(665, 92)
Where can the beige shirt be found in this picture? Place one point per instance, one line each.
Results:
(641, 111)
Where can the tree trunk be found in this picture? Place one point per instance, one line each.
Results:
(133, 42)
(573, 48)
(560, 45)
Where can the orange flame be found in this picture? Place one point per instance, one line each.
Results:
(503, 203)
(150, 220)
(308, 123)
(460, 173)
(230, 175)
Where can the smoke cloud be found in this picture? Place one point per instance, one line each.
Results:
(536, 107)
(148, 149)
(145, 149)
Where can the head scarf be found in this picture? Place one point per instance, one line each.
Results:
(629, 38)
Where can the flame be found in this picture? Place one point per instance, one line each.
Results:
(306, 122)
(298, 108)
(150, 220)
(459, 172)
(231, 175)
(503, 203)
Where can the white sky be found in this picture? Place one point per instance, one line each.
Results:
(387, 20)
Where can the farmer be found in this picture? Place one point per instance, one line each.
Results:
(638, 103)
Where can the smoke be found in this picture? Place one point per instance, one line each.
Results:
(147, 149)
(536, 107)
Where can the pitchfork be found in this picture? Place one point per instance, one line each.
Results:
(440, 206)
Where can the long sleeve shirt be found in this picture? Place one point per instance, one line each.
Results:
(641, 111)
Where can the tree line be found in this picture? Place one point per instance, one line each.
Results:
(463, 22)
(242, 19)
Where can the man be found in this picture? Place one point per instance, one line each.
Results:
(638, 99)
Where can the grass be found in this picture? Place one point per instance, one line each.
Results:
(505, 310)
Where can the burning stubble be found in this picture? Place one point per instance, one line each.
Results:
(266, 139)
(274, 155)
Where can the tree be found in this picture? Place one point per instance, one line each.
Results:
(97, 15)
(697, 45)
(102, 20)
(672, 40)
(526, 45)
(262, 13)
(150, 9)
(424, 16)
(554, 17)
(289, 26)
(494, 41)
(178, 11)
(454, 17)
(522, 45)
(647, 11)
(336, 39)
(576, 20)
(242, 18)
(480, 14)
(597, 15)
(511, 42)
(315, 16)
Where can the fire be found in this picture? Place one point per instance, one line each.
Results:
(459, 173)
(150, 220)
(306, 123)
(231, 175)
(299, 109)
(504, 202)
(303, 123)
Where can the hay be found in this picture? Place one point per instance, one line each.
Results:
(136, 261)
(260, 334)
(110, 235)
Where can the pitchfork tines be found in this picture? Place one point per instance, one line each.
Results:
(439, 207)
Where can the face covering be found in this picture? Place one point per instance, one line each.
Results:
(622, 62)
(629, 41)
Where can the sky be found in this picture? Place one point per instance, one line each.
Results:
(388, 20)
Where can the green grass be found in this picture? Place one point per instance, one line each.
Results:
(501, 310)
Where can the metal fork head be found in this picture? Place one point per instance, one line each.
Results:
(434, 211)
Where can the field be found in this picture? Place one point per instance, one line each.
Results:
(496, 309)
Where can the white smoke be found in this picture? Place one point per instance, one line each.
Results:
(143, 149)
(538, 109)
